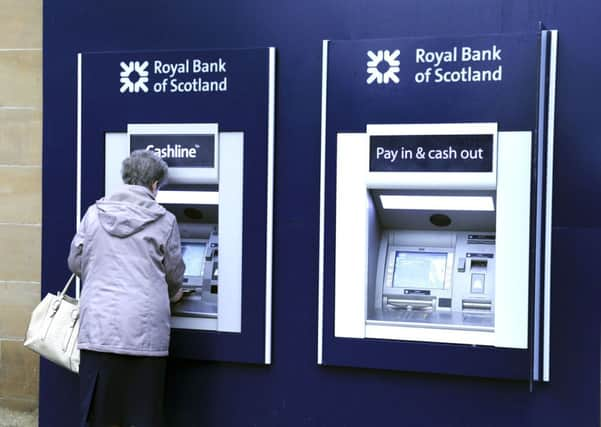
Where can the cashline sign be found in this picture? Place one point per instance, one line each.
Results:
(431, 153)
(185, 151)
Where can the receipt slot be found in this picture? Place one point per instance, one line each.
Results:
(433, 234)
(204, 193)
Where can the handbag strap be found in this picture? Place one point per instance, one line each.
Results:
(54, 307)
(66, 288)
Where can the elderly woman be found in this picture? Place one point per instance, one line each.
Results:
(127, 253)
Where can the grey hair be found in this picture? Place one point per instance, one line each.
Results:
(144, 167)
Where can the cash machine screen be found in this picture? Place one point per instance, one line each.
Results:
(193, 254)
(419, 270)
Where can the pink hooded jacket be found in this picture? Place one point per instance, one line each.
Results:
(127, 253)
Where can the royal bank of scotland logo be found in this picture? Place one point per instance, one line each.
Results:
(383, 66)
(134, 77)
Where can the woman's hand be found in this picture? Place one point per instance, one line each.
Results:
(177, 297)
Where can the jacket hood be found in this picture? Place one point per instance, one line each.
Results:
(128, 210)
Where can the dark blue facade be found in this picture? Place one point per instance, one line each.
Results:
(294, 390)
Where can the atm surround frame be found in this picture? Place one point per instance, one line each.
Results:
(247, 109)
(366, 106)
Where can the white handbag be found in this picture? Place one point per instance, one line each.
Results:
(54, 328)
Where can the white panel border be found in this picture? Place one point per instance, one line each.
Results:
(194, 323)
(549, 208)
(188, 197)
(513, 240)
(269, 219)
(538, 258)
(78, 173)
(116, 149)
(322, 197)
(230, 221)
(350, 283)
(435, 335)
(172, 128)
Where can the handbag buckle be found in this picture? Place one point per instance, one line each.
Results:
(74, 317)
(55, 306)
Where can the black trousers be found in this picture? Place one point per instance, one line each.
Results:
(121, 391)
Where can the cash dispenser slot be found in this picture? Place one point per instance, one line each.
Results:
(476, 305)
(413, 302)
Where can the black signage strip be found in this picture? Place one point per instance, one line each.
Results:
(185, 151)
(431, 153)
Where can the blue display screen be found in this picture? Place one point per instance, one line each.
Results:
(193, 254)
(419, 270)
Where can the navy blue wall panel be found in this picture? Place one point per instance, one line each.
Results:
(294, 390)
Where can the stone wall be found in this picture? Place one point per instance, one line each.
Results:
(20, 195)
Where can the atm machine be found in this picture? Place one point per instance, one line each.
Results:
(436, 279)
(200, 251)
(204, 192)
(433, 234)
